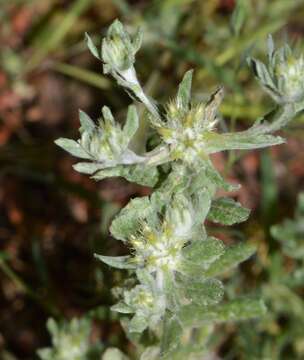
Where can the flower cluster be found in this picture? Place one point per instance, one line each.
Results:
(70, 340)
(189, 130)
(145, 301)
(106, 144)
(188, 125)
(282, 78)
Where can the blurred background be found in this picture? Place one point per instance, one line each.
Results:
(53, 219)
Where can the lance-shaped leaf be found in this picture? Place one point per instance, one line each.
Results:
(171, 336)
(198, 256)
(261, 72)
(216, 179)
(87, 124)
(232, 256)
(194, 316)
(88, 167)
(140, 174)
(118, 262)
(72, 147)
(92, 46)
(138, 324)
(123, 308)
(203, 252)
(215, 142)
(201, 292)
(226, 211)
(127, 221)
(185, 346)
(131, 124)
(184, 91)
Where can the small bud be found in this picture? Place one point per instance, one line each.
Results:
(118, 54)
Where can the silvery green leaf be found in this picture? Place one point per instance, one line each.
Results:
(138, 324)
(202, 292)
(140, 174)
(87, 124)
(261, 72)
(171, 336)
(238, 141)
(266, 77)
(202, 203)
(184, 91)
(131, 124)
(52, 327)
(91, 46)
(87, 167)
(226, 211)
(107, 114)
(194, 350)
(172, 291)
(137, 40)
(127, 221)
(122, 307)
(240, 309)
(114, 354)
(203, 252)
(232, 256)
(118, 262)
(143, 175)
(215, 178)
(72, 147)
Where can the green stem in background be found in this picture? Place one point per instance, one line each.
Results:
(86, 76)
(58, 33)
(22, 286)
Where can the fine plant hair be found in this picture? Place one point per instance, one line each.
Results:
(173, 295)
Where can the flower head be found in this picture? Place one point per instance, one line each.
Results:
(144, 301)
(71, 340)
(186, 127)
(283, 77)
